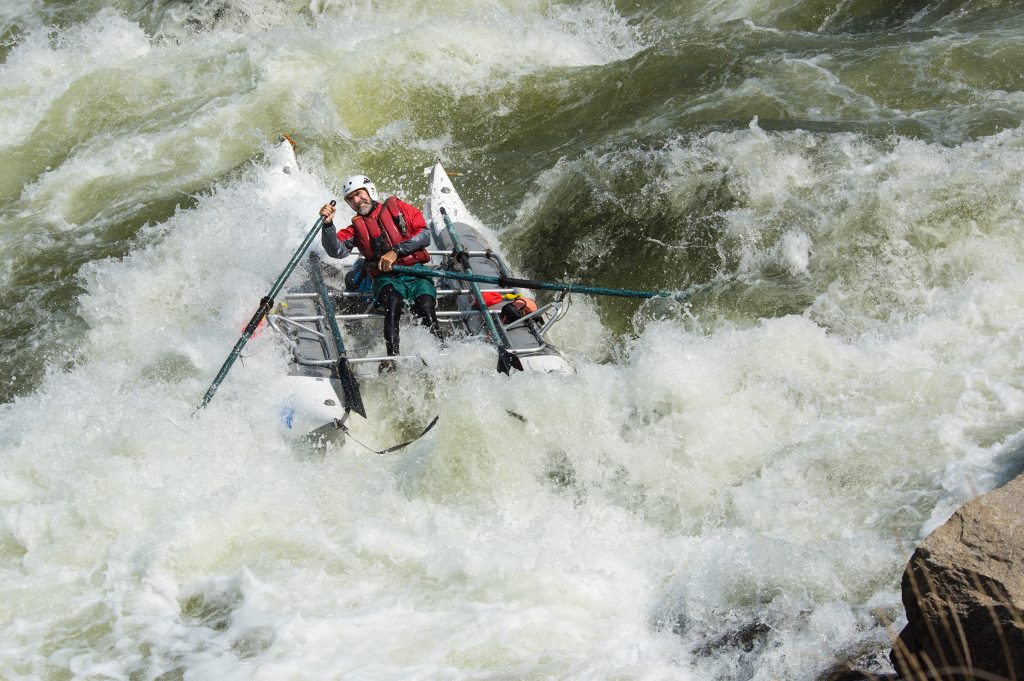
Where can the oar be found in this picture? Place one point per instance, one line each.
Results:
(516, 282)
(266, 304)
(506, 360)
(353, 400)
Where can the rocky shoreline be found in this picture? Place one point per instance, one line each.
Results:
(963, 591)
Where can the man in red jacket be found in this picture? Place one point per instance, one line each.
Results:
(385, 233)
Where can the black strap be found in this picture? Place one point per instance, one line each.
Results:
(266, 304)
(397, 217)
(395, 448)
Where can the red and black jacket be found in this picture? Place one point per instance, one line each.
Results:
(392, 225)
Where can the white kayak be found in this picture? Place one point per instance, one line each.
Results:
(321, 368)
(527, 337)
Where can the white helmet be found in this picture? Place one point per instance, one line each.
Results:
(359, 182)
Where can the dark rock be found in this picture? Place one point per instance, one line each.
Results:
(843, 672)
(867, 664)
(744, 638)
(963, 591)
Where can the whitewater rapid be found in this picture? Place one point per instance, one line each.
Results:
(724, 490)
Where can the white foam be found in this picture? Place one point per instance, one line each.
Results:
(46, 62)
(764, 449)
(891, 400)
(479, 48)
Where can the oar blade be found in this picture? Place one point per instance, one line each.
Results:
(350, 388)
(507, 361)
(318, 436)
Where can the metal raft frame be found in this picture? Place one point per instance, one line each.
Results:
(316, 326)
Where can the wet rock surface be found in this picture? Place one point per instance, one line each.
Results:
(963, 591)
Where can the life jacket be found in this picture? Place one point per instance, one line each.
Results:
(512, 305)
(375, 236)
(517, 309)
(492, 299)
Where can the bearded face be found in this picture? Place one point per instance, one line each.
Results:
(360, 202)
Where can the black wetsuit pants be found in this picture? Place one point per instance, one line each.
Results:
(424, 307)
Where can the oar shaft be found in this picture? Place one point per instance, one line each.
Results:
(349, 386)
(325, 298)
(290, 267)
(265, 306)
(497, 332)
(250, 328)
(515, 282)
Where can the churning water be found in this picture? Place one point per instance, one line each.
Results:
(724, 490)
